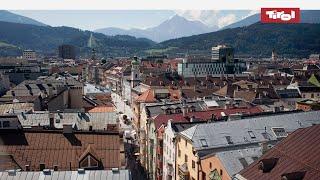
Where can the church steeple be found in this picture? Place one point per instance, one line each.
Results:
(135, 72)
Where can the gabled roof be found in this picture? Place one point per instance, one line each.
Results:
(147, 97)
(32, 147)
(219, 134)
(299, 153)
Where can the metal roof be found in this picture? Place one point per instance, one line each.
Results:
(231, 160)
(98, 120)
(67, 175)
(216, 133)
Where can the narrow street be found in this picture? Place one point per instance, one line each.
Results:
(133, 163)
(131, 146)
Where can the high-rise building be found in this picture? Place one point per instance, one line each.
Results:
(222, 61)
(67, 52)
(29, 55)
(222, 53)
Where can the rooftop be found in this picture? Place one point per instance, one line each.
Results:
(67, 175)
(67, 151)
(297, 155)
(98, 120)
(248, 131)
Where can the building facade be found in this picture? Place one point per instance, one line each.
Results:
(29, 55)
(67, 52)
(222, 62)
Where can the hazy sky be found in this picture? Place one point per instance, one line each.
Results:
(95, 19)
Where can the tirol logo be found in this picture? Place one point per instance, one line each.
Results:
(280, 15)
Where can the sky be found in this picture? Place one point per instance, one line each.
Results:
(126, 19)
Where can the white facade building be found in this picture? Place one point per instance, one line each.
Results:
(169, 153)
(29, 55)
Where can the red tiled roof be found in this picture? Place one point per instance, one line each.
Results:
(33, 147)
(203, 115)
(102, 109)
(146, 97)
(299, 152)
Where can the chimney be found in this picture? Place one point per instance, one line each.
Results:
(42, 166)
(55, 167)
(67, 129)
(264, 147)
(27, 167)
(192, 119)
(184, 110)
(51, 120)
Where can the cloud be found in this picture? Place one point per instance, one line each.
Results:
(226, 20)
(219, 18)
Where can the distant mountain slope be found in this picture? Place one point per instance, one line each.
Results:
(307, 16)
(254, 40)
(7, 16)
(172, 28)
(46, 39)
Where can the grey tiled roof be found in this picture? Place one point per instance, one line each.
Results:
(231, 160)
(98, 121)
(67, 175)
(215, 134)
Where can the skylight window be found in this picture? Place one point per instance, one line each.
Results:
(251, 134)
(203, 143)
(280, 132)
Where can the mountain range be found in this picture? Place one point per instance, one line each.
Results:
(46, 39)
(15, 18)
(175, 27)
(248, 40)
(299, 40)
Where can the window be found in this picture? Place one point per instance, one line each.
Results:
(179, 153)
(280, 132)
(210, 165)
(221, 172)
(251, 134)
(6, 124)
(203, 143)
(229, 140)
(193, 164)
(254, 158)
(185, 158)
(89, 162)
(186, 143)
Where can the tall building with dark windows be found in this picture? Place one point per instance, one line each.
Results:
(222, 61)
(67, 52)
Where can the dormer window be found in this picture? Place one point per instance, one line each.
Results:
(279, 132)
(89, 162)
